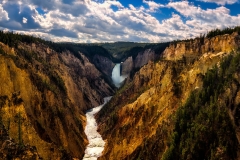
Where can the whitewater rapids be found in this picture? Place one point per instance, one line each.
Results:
(96, 143)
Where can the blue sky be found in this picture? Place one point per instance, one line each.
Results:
(89, 21)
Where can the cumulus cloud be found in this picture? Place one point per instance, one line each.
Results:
(3, 14)
(109, 20)
(24, 20)
(208, 19)
(153, 6)
(221, 2)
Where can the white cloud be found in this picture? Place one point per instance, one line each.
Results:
(208, 19)
(24, 20)
(109, 20)
(3, 14)
(153, 6)
(221, 2)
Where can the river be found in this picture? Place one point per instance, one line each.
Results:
(96, 143)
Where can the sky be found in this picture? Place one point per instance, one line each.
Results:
(91, 21)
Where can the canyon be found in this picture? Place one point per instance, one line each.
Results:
(50, 93)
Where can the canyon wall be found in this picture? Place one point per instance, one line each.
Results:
(195, 47)
(44, 95)
(138, 120)
(104, 64)
(135, 63)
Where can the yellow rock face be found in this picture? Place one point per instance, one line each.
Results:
(141, 114)
(43, 98)
(193, 48)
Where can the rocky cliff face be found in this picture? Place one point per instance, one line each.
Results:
(143, 58)
(104, 64)
(140, 117)
(127, 66)
(43, 97)
(195, 47)
(137, 62)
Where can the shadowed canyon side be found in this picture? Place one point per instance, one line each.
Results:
(43, 97)
(160, 113)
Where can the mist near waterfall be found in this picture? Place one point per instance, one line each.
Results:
(117, 78)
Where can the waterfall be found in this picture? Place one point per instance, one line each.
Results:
(116, 76)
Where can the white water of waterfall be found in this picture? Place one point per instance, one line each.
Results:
(116, 76)
(96, 143)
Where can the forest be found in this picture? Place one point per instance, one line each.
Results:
(203, 127)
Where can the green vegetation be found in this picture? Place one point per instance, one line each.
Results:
(116, 52)
(20, 141)
(12, 39)
(210, 34)
(2, 51)
(27, 58)
(55, 84)
(203, 128)
(121, 50)
(216, 32)
(88, 50)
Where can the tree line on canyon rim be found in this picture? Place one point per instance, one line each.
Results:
(202, 126)
(116, 52)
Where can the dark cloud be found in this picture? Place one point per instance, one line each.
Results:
(74, 9)
(63, 32)
(97, 24)
(12, 25)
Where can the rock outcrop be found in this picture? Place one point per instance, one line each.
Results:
(44, 95)
(135, 63)
(104, 64)
(143, 58)
(139, 119)
(127, 66)
(195, 47)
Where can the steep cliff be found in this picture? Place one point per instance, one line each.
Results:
(195, 47)
(127, 66)
(104, 64)
(140, 117)
(44, 95)
(138, 57)
(143, 58)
